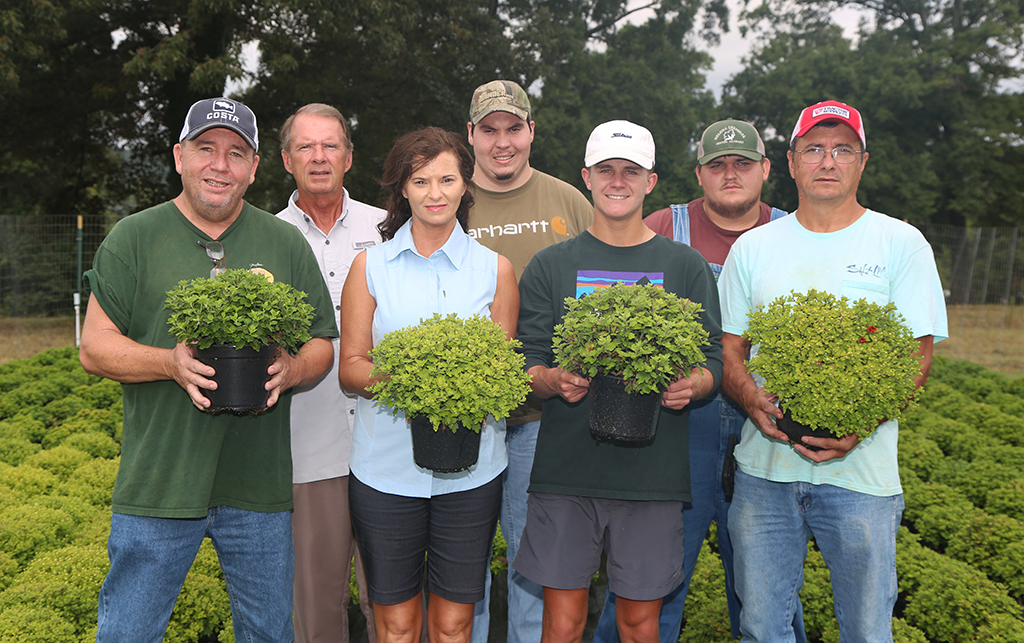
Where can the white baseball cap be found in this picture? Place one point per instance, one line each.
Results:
(620, 140)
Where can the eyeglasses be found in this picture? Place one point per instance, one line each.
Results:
(815, 155)
(215, 251)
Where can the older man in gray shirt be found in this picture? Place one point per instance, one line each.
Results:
(316, 148)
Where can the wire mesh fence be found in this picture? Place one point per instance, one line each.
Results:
(979, 265)
(41, 259)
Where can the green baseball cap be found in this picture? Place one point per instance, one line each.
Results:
(499, 96)
(730, 137)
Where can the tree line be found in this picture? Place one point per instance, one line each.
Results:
(93, 92)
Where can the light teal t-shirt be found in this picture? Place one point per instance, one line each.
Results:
(877, 258)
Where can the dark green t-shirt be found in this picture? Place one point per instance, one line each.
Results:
(568, 460)
(177, 461)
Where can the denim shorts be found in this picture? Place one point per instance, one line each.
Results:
(565, 535)
(453, 530)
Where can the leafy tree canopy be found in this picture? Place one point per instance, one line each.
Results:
(93, 92)
(934, 82)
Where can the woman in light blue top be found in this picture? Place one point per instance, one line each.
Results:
(401, 511)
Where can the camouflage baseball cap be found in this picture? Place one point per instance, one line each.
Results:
(499, 96)
(730, 137)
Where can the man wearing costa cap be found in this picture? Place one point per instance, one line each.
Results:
(185, 474)
(518, 211)
(588, 497)
(846, 495)
(731, 168)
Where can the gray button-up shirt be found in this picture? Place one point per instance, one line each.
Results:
(322, 414)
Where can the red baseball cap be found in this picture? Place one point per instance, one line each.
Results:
(828, 110)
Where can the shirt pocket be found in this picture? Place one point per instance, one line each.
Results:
(874, 292)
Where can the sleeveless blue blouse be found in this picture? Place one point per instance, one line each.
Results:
(461, 278)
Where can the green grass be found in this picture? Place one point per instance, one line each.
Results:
(22, 337)
(992, 336)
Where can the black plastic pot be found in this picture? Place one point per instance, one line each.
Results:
(444, 450)
(241, 376)
(795, 430)
(621, 416)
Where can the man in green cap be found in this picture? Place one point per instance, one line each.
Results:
(731, 169)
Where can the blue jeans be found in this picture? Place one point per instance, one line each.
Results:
(771, 524)
(712, 422)
(150, 557)
(525, 598)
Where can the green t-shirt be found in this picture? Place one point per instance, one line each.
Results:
(177, 461)
(568, 460)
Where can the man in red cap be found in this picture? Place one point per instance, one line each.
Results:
(847, 494)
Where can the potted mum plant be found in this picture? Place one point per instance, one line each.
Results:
(631, 341)
(837, 367)
(448, 374)
(237, 321)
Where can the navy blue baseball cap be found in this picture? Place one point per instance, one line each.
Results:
(221, 112)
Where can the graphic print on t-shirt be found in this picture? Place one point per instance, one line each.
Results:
(587, 281)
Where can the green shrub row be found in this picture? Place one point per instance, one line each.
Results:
(60, 432)
(950, 601)
(961, 564)
(963, 472)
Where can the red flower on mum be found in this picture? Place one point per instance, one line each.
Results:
(872, 329)
(862, 340)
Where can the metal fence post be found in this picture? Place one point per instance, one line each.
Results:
(78, 287)
(1009, 268)
(988, 266)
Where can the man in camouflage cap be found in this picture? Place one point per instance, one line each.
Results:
(518, 212)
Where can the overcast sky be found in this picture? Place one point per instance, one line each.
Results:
(727, 54)
(733, 47)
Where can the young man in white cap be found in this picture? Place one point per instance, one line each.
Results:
(731, 169)
(186, 475)
(846, 495)
(518, 210)
(582, 490)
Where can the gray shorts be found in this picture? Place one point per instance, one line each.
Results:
(565, 535)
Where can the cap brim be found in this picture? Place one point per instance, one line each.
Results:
(818, 121)
(833, 119)
(599, 157)
(191, 136)
(510, 109)
(747, 154)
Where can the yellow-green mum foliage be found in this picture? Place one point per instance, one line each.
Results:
(240, 308)
(452, 370)
(834, 364)
(64, 581)
(643, 334)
